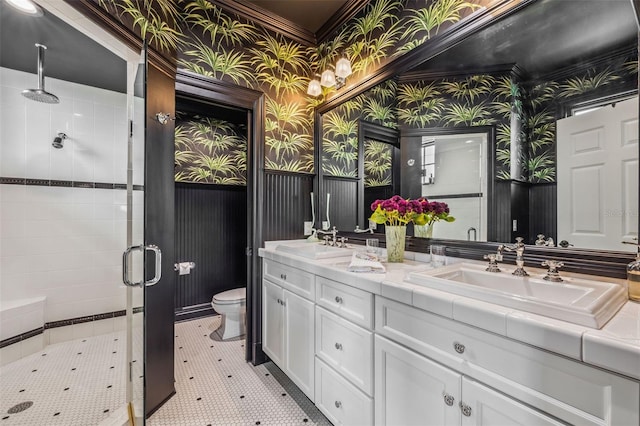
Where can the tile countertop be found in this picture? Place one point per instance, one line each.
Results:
(615, 347)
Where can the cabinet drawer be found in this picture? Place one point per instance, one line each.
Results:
(295, 280)
(346, 347)
(569, 390)
(339, 400)
(351, 303)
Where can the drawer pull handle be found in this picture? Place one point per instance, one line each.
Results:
(338, 299)
(279, 302)
(283, 276)
(459, 347)
(448, 399)
(466, 410)
(339, 346)
(338, 404)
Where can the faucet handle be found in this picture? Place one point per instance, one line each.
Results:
(343, 242)
(519, 240)
(493, 262)
(552, 273)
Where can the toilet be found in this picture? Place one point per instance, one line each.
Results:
(232, 306)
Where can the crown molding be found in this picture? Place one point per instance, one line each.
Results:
(571, 69)
(412, 76)
(269, 20)
(341, 17)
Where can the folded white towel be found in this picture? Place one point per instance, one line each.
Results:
(363, 262)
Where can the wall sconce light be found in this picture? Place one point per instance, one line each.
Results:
(331, 78)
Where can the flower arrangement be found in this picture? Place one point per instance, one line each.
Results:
(397, 211)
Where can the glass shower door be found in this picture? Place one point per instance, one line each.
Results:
(134, 256)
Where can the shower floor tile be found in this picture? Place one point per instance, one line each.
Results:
(70, 383)
(215, 386)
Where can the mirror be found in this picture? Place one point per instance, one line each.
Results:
(525, 82)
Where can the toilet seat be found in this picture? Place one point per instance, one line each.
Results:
(229, 297)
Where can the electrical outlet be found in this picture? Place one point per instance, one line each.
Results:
(307, 228)
(325, 225)
(373, 225)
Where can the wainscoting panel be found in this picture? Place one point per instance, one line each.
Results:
(343, 204)
(287, 204)
(543, 208)
(211, 230)
(370, 195)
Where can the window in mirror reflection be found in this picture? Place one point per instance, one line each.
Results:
(428, 161)
(459, 162)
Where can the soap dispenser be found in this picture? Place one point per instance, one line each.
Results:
(633, 278)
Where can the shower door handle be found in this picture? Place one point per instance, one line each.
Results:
(126, 266)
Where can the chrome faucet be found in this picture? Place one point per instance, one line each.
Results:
(518, 247)
(494, 259)
(330, 242)
(541, 241)
(361, 231)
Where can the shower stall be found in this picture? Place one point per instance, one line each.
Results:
(71, 202)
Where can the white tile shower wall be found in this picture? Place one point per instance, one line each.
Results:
(94, 120)
(63, 243)
(67, 248)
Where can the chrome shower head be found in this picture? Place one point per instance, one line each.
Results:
(58, 141)
(40, 94)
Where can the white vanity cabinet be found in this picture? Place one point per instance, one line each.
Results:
(364, 359)
(413, 390)
(344, 353)
(288, 326)
(562, 388)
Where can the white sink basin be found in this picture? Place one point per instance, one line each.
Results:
(581, 301)
(314, 250)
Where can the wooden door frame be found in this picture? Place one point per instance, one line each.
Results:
(200, 87)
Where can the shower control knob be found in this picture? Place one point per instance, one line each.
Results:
(338, 299)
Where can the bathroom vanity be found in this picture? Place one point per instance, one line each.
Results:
(386, 349)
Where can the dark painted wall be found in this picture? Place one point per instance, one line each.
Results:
(211, 230)
(159, 230)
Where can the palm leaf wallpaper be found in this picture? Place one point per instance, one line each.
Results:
(378, 157)
(213, 42)
(340, 127)
(210, 150)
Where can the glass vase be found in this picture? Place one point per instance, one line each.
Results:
(423, 231)
(395, 239)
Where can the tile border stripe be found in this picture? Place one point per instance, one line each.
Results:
(65, 323)
(65, 183)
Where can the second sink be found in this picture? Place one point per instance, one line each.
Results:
(581, 301)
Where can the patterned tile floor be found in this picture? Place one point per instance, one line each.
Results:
(80, 382)
(215, 386)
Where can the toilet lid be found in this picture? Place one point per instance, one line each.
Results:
(231, 296)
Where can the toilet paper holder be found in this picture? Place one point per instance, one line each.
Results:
(184, 267)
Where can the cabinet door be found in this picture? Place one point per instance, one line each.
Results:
(484, 406)
(412, 390)
(299, 342)
(273, 322)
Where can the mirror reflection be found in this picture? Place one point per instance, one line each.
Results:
(528, 128)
